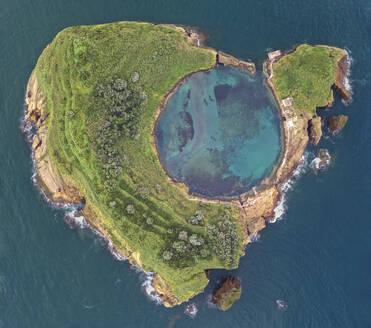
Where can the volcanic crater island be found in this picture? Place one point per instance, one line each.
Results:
(176, 152)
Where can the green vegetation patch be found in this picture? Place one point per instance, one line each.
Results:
(307, 75)
(103, 85)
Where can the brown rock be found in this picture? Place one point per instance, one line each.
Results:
(337, 123)
(164, 292)
(49, 180)
(315, 130)
(256, 225)
(228, 60)
(340, 76)
(228, 293)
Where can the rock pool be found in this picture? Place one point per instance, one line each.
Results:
(219, 133)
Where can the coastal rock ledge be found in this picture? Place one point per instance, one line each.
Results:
(147, 217)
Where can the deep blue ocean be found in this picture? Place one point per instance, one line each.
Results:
(317, 257)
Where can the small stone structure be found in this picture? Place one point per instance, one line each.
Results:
(274, 54)
(287, 101)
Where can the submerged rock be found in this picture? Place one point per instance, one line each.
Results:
(315, 130)
(337, 123)
(191, 310)
(281, 304)
(228, 293)
(322, 161)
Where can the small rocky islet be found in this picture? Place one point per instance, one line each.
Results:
(227, 293)
(94, 98)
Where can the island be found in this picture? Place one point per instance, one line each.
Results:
(94, 99)
(228, 293)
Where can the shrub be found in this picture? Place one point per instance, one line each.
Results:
(183, 235)
(135, 77)
(196, 240)
(196, 219)
(130, 209)
(180, 246)
(167, 255)
(204, 252)
(143, 192)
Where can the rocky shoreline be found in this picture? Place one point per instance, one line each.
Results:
(256, 206)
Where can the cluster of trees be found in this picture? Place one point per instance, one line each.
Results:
(224, 239)
(196, 219)
(121, 102)
(186, 245)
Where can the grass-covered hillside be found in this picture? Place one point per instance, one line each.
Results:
(307, 75)
(103, 85)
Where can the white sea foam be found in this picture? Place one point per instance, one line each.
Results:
(191, 310)
(149, 289)
(281, 304)
(319, 163)
(347, 81)
(280, 208)
(75, 219)
(147, 277)
(197, 36)
(254, 237)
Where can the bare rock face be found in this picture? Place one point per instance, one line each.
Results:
(228, 293)
(340, 77)
(255, 225)
(315, 130)
(337, 123)
(53, 185)
(162, 288)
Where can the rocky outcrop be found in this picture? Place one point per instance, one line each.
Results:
(53, 185)
(162, 288)
(322, 161)
(315, 130)
(228, 60)
(228, 293)
(255, 225)
(340, 78)
(337, 123)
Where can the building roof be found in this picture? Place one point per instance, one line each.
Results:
(274, 54)
(287, 101)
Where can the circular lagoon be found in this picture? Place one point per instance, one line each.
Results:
(219, 133)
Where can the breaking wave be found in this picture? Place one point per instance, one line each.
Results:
(148, 289)
(191, 310)
(280, 208)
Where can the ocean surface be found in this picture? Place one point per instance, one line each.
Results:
(219, 132)
(317, 258)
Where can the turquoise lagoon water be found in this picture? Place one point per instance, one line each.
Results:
(219, 133)
(317, 257)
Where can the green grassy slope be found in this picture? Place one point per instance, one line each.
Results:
(307, 75)
(139, 209)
